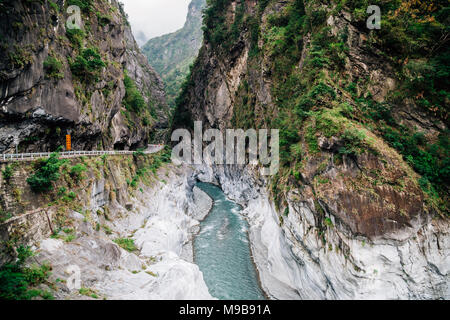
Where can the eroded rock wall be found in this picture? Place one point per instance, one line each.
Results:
(42, 102)
(296, 260)
(80, 234)
(341, 220)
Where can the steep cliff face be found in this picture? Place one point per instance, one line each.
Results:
(91, 82)
(125, 224)
(172, 54)
(363, 188)
(299, 259)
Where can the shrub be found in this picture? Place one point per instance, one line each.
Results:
(76, 172)
(72, 195)
(54, 6)
(47, 171)
(52, 67)
(62, 191)
(127, 244)
(16, 279)
(318, 17)
(88, 64)
(430, 81)
(429, 160)
(103, 20)
(8, 173)
(133, 100)
(145, 121)
(160, 158)
(20, 58)
(88, 292)
(69, 238)
(107, 230)
(76, 37)
(329, 223)
(288, 137)
(353, 142)
(322, 93)
(85, 5)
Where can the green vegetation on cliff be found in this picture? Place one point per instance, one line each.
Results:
(309, 54)
(18, 282)
(47, 172)
(133, 99)
(127, 244)
(172, 54)
(53, 67)
(88, 65)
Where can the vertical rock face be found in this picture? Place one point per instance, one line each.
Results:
(159, 216)
(172, 54)
(297, 261)
(55, 80)
(355, 211)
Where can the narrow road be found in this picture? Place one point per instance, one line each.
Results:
(152, 148)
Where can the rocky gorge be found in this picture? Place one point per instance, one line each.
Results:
(162, 225)
(121, 242)
(292, 260)
(349, 215)
(295, 263)
(358, 210)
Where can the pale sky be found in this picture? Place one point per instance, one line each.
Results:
(152, 18)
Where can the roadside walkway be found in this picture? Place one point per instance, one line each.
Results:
(153, 148)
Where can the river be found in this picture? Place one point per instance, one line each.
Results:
(222, 251)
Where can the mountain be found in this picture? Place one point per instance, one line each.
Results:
(364, 140)
(172, 54)
(93, 82)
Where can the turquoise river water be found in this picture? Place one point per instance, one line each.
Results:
(222, 252)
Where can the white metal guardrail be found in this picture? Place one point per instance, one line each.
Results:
(74, 154)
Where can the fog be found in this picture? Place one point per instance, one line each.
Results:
(152, 18)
